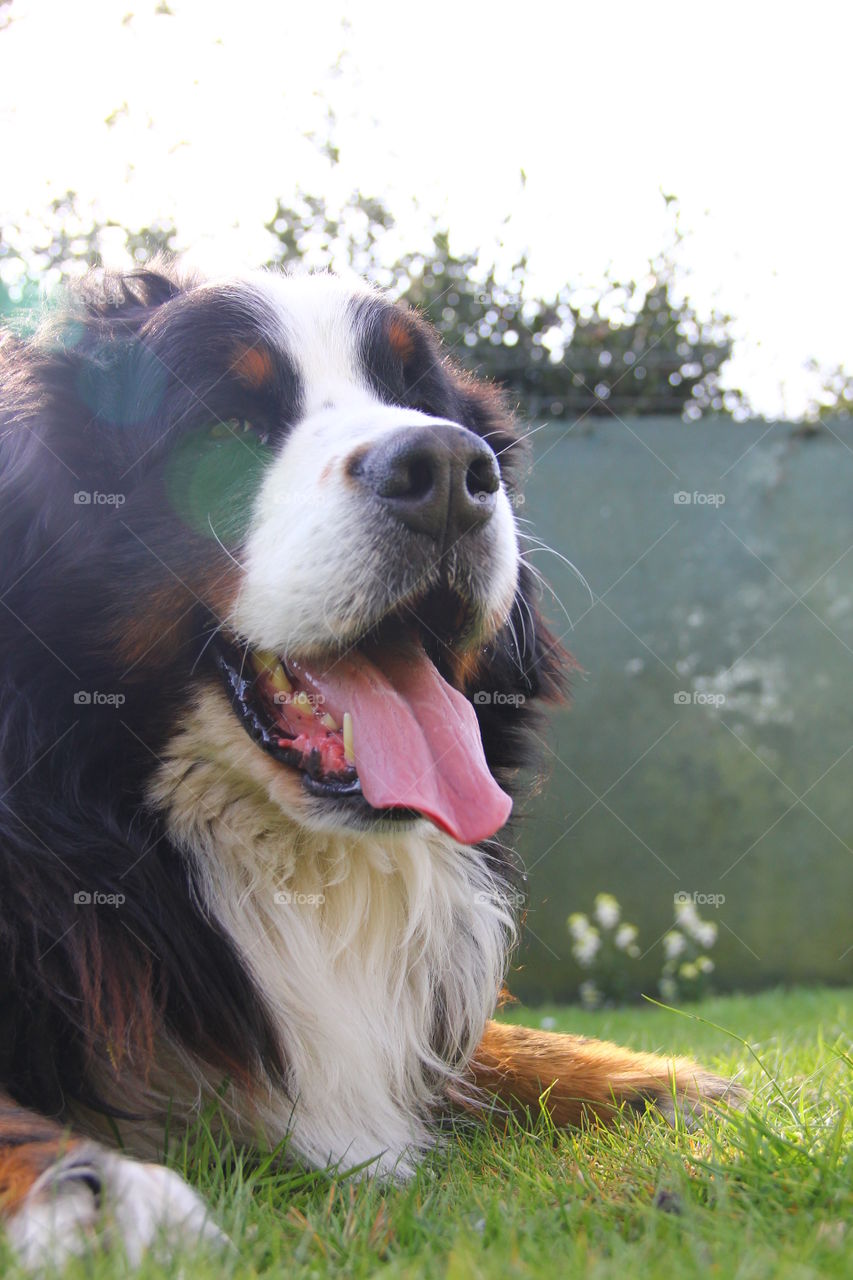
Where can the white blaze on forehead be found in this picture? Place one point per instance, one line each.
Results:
(320, 561)
(315, 315)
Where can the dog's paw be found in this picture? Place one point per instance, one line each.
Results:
(96, 1198)
(686, 1091)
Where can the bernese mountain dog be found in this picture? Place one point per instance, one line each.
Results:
(270, 658)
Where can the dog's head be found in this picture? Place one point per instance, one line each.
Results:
(283, 486)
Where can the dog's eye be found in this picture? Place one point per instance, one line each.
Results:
(212, 474)
(226, 427)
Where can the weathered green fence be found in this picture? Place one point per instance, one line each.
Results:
(709, 750)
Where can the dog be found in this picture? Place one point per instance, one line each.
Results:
(270, 662)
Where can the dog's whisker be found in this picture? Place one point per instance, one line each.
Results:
(230, 556)
(522, 438)
(546, 585)
(539, 545)
(217, 630)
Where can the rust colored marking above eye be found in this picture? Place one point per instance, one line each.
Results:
(254, 366)
(400, 338)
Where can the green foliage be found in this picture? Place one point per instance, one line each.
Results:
(35, 255)
(630, 348)
(835, 397)
(308, 233)
(62, 244)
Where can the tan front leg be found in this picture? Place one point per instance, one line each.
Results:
(587, 1078)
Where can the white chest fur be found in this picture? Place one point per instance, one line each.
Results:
(358, 943)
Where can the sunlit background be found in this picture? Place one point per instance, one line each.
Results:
(201, 114)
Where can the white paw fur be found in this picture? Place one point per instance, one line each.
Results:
(93, 1197)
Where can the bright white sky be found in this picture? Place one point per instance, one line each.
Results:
(741, 109)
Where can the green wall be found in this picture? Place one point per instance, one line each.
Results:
(751, 599)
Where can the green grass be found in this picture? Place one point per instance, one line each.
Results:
(769, 1193)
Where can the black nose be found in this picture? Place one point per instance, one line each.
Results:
(441, 479)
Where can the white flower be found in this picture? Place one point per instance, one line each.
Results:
(585, 949)
(607, 910)
(590, 995)
(625, 935)
(668, 988)
(705, 964)
(688, 972)
(673, 944)
(548, 1024)
(578, 925)
(633, 951)
(686, 915)
(705, 933)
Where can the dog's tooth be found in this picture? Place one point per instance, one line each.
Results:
(279, 679)
(303, 702)
(329, 722)
(349, 753)
(266, 663)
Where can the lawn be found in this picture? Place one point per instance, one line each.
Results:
(766, 1194)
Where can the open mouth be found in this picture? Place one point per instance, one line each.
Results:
(377, 728)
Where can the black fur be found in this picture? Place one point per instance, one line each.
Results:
(96, 402)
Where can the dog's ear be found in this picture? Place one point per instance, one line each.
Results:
(10, 347)
(132, 295)
(73, 386)
(80, 344)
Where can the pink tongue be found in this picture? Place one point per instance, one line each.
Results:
(416, 741)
